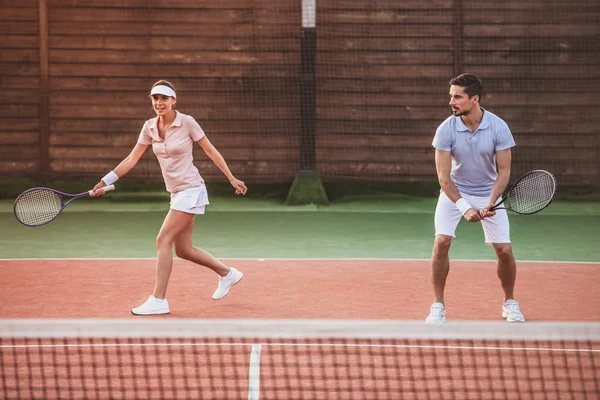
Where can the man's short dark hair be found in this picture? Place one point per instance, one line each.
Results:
(470, 82)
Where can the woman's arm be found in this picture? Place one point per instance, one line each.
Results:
(217, 158)
(124, 166)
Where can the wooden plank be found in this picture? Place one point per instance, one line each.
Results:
(378, 155)
(378, 170)
(381, 112)
(541, 84)
(386, 71)
(12, 138)
(560, 44)
(101, 112)
(559, 6)
(336, 44)
(253, 43)
(19, 41)
(187, 43)
(168, 71)
(383, 4)
(543, 141)
(370, 58)
(178, 4)
(541, 99)
(558, 156)
(20, 96)
(20, 28)
(395, 129)
(415, 85)
(173, 29)
(128, 140)
(420, 133)
(382, 99)
(23, 124)
(17, 82)
(151, 170)
(398, 32)
(533, 71)
(140, 101)
(373, 143)
(20, 111)
(380, 16)
(132, 127)
(534, 16)
(18, 168)
(169, 15)
(118, 153)
(21, 69)
(19, 152)
(20, 3)
(537, 30)
(547, 114)
(230, 58)
(188, 86)
(566, 58)
(14, 14)
(19, 56)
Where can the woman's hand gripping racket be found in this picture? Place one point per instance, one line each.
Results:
(533, 192)
(38, 206)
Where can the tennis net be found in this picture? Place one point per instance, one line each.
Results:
(297, 359)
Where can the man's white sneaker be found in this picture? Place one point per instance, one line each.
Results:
(152, 306)
(226, 283)
(512, 312)
(437, 314)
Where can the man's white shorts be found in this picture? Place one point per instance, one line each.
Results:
(191, 200)
(447, 217)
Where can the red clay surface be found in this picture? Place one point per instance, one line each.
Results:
(332, 289)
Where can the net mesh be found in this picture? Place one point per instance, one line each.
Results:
(380, 83)
(38, 206)
(532, 193)
(298, 360)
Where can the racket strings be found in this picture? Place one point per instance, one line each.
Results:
(531, 194)
(37, 207)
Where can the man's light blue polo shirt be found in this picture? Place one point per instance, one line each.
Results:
(474, 153)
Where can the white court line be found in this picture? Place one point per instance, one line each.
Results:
(254, 373)
(256, 348)
(299, 259)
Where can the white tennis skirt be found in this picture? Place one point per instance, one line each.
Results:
(191, 200)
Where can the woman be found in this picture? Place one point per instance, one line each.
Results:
(171, 135)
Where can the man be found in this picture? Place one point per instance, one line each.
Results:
(472, 158)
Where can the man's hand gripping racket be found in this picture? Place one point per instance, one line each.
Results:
(40, 205)
(533, 192)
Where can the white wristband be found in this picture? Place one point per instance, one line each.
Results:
(110, 178)
(462, 205)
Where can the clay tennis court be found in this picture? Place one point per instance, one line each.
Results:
(332, 288)
(326, 368)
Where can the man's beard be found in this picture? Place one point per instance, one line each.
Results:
(459, 113)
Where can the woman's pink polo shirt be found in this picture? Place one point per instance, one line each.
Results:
(175, 152)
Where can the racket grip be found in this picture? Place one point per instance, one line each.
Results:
(104, 189)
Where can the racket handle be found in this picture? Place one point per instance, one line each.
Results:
(104, 189)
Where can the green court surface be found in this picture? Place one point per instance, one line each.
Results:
(390, 226)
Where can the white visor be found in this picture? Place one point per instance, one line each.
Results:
(162, 89)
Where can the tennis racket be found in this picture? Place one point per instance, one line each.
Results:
(533, 192)
(40, 205)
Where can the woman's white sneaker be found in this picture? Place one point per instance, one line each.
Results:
(512, 312)
(152, 306)
(226, 283)
(437, 314)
